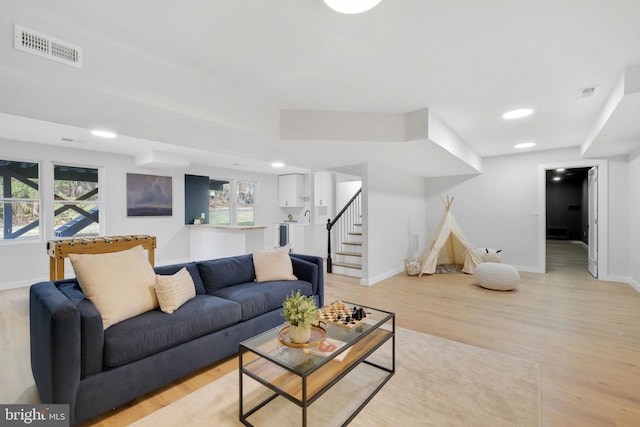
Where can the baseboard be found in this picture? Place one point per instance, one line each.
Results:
(528, 269)
(379, 278)
(21, 284)
(628, 280)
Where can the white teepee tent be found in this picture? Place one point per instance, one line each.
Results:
(449, 245)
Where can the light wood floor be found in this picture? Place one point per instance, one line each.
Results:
(584, 333)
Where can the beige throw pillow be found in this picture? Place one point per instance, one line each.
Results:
(119, 284)
(273, 264)
(174, 290)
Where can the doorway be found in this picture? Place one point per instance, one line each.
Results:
(596, 235)
(568, 211)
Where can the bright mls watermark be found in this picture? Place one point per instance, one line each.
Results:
(34, 415)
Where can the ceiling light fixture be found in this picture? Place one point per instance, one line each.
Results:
(525, 145)
(103, 133)
(277, 165)
(352, 6)
(517, 114)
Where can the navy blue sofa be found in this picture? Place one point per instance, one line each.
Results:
(75, 361)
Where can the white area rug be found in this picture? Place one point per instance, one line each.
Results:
(437, 383)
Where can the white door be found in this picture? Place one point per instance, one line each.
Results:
(593, 221)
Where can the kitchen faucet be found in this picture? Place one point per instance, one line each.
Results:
(308, 212)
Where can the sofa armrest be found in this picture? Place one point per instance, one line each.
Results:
(91, 338)
(55, 344)
(314, 274)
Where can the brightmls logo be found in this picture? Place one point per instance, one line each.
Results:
(34, 415)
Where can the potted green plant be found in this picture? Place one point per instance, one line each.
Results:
(301, 313)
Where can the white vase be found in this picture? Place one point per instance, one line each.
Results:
(299, 335)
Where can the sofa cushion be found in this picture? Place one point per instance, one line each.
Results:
(119, 284)
(191, 267)
(259, 298)
(174, 290)
(273, 264)
(219, 273)
(154, 331)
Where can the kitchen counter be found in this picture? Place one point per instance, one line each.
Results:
(209, 241)
(227, 227)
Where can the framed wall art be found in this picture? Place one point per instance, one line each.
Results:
(149, 195)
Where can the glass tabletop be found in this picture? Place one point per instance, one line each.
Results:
(341, 336)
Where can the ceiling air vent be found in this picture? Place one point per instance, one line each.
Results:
(46, 46)
(587, 91)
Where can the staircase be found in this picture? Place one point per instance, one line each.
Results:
(346, 230)
(348, 259)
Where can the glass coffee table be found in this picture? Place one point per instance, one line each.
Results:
(302, 375)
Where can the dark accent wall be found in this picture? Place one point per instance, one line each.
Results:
(196, 197)
(567, 205)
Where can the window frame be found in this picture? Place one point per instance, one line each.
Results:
(39, 201)
(252, 205)
(234, 195)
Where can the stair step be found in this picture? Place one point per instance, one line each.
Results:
(352, 243)
(347, 253)
(347, 265)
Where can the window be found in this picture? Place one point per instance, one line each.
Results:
(245, 207)
(231, 202)
(219, 206)
(19, 200)
(76, 201)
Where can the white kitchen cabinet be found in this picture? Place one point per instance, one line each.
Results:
(291, 190)
(321, 188)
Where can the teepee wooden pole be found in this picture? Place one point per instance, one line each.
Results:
(447, 204)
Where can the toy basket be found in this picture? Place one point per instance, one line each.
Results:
(413, 265)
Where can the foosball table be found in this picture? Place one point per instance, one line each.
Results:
(58, 250)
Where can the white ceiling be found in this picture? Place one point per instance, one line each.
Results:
(206, 80)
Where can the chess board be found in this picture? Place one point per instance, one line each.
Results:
(340, 314)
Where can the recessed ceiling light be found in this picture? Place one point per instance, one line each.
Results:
(517, 114)
(525, 145)
(103, 133)
(351, 6)
(277, 165)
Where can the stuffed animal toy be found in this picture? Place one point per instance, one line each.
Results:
(488, 254)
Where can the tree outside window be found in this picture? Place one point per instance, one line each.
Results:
(76, 201)
(19, 200)
(219, 206)
(245, 205)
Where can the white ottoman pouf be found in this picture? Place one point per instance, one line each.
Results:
(496, 276)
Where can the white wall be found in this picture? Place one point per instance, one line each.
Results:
(634, 216)
(24, 263)
(619, 232)
(499, 208)
(393, 211)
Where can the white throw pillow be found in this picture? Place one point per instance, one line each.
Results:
(174, 290)
(273, 264)
(120, 284)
